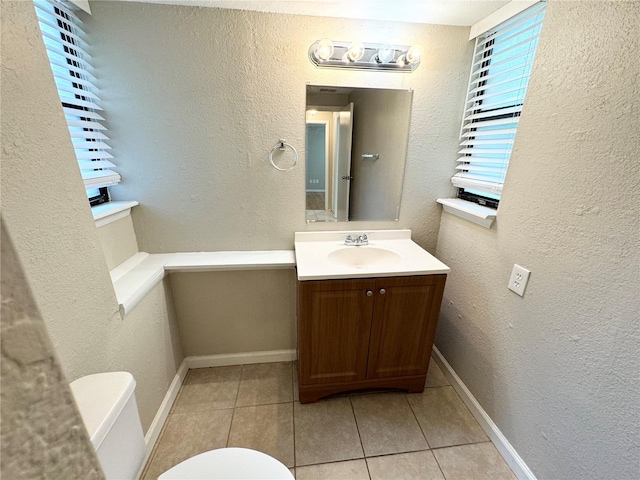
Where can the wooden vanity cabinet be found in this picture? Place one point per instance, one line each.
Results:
(366, 333)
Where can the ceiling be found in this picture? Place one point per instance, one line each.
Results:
(443, 12)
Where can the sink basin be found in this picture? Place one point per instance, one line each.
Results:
(364, 256)
(390, 253)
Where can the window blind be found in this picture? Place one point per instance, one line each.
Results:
(498, 82)
(66, 46)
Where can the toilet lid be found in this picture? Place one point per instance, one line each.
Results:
(229, 464)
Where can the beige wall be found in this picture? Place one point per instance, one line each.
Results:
(148, 345)
(46, 211)
(558, 369)
(194, 113)
(118, 240)
(235, 312)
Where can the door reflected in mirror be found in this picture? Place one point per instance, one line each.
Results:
(356, 146)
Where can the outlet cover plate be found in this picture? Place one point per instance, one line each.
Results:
(519, 279)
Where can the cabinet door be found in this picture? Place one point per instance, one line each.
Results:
(404, 325)
(334, 325)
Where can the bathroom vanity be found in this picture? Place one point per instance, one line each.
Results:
(367, 314)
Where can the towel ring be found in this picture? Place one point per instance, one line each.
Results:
(282, 144)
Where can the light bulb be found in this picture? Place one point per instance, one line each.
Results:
(414, 54)
(355, 52)
(385, 54)
(324, 50)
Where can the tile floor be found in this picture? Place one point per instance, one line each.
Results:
(320, 216)
(386, 435)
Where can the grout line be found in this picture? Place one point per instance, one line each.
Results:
(417, 421)
(460, 445)
(400, 453)
(438, 463)
(293, 414)
(235, 403)
(233, 414)
(355, 419)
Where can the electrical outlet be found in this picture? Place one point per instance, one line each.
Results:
(519, 279)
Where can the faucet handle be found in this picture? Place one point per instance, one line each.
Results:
(349, 240)
(362, 239)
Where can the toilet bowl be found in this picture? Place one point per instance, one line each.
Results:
(229, 464)
(108, 408)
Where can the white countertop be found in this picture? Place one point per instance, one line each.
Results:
(313, 250)
(212, 261)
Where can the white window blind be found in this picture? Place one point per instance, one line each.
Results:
(67, 47)
(500, 72)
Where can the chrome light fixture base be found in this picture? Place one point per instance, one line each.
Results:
(339, 56)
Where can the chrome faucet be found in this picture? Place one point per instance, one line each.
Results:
(356, 240)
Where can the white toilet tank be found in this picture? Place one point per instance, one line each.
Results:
(108, 407)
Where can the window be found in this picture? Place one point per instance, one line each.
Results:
(67, 47)
(500, 72)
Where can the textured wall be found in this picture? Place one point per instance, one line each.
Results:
(118, 241)
(193, 114)
(558, 370)
(47, 213)
(41, 430)
(147, 344)
(49, 234)
(233, 312)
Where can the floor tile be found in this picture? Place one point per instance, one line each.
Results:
(350, 470)
(435, 377)
(324, 216)
(325, 431)
(444, 418)
(405, 466)
(387, 424)
(266, 428)
(186, 435)
(265, 383)
(209, 389)
(479, 461)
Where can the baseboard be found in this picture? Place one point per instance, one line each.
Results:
(503, 446)
(204, 361)
(155, 428)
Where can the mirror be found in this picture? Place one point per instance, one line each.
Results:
(356, 148)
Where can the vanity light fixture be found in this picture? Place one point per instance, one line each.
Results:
(365, 56)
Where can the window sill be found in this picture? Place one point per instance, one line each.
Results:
(111, 211)
(135, 278)
(483, 216)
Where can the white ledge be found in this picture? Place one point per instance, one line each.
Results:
(111, 211)
(215, 261)
(134, 278)
(470, 211)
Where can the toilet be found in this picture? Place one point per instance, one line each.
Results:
(108, 408)
(229, 463)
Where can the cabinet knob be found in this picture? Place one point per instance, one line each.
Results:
(369, 293)
(382, 291)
